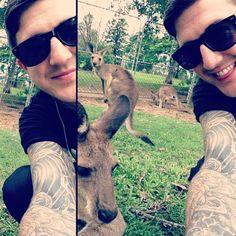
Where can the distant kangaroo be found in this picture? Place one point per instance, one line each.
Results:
(118, 82)
(98, 214)
(165, 93)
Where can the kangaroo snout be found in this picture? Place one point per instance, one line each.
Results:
(107, 216)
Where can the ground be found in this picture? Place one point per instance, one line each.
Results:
(147, 105)
(9, 115)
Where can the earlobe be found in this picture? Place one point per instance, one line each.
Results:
(21, 65)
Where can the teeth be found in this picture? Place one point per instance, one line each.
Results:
(225, 71)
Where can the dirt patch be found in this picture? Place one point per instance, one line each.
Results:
(9, 116)
(146, 105)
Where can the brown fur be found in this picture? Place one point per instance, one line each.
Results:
(118, 82)
(164, 94)
(95, 165)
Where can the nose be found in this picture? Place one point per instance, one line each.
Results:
(107, 216)
(59, 52)
(210, 59)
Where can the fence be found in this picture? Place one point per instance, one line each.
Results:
(148, 76)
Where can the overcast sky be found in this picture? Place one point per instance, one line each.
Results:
(102, 16)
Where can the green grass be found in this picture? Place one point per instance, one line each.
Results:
(178, 147)
(11, 157)
(88, 82)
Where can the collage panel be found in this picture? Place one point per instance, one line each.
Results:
(117, 118)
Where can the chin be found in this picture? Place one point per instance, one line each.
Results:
(230, 92)
(65, 95)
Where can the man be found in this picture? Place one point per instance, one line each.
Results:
(43, 37)
(206, 33)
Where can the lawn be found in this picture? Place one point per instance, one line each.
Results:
(149, 180)
(11, 157)
(153, 181)
(88, 82)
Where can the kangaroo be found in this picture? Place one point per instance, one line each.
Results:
(98, 214)
(165, 93)
(118, 82)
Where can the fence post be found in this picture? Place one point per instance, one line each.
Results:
(29, 95)
(190, 91)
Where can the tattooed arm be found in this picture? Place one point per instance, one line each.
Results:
(52, 209)
(211, 203)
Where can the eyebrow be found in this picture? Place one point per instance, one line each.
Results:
(208, 27)
(38, 34)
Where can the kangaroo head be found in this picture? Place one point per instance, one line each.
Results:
(97, 57)
(96, 198)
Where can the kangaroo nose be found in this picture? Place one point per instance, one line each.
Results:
(107, 216)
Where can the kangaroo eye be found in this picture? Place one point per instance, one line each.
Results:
(83, 171)
(92, 57)
(100, 59)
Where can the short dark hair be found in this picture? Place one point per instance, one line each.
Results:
(15, 9)
(173, 11)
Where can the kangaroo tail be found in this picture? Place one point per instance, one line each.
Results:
(138, 134)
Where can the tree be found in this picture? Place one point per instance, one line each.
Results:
(153, 10)
(116, 36)
(87, 33)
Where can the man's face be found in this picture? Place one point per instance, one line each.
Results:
(56, 75)
(217, 68)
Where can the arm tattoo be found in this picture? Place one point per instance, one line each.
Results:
(211, 203)
(52, 210)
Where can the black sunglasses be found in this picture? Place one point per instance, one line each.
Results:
(36, 49)
(217, 37)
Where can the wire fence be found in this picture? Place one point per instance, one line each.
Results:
(148, 76)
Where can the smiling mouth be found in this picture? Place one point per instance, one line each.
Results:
(225, 73)
(64, 74)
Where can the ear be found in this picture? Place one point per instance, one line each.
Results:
(104, 50)
(83, 124)
(114, 117)
(21, 65)
(90, 48)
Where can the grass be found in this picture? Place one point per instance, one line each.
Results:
(147, 178)
(88, 82)
(11, 157)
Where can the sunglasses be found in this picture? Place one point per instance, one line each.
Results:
(36, 49)
(217, 37)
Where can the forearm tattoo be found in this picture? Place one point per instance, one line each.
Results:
(211, 203)
(52, 210)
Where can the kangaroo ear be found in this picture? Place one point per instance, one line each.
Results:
(114, 117)
(90, 47)
(104, 50)
(83, 124)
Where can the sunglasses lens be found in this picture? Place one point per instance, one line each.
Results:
(221, 37)
(34, 50)
(188, 56)
(67, 32)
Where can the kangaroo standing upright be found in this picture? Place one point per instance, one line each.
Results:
(97, 208)
(118, 82)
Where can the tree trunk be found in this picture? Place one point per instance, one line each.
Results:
(10, 75)
(171, 72)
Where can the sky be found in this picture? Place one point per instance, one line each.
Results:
(102, 16)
